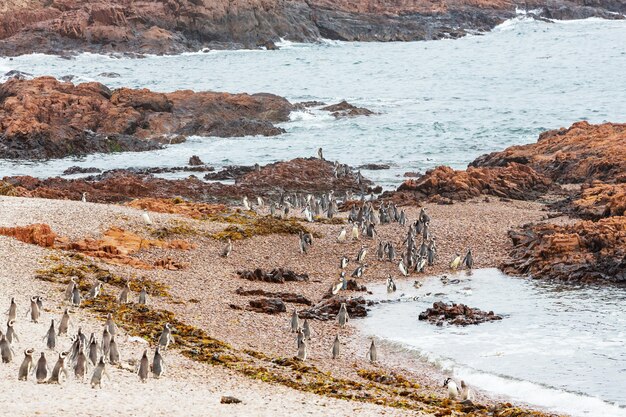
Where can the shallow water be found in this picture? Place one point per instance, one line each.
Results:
(440, 102)
(561, 347)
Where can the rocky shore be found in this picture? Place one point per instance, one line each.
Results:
(157, 27)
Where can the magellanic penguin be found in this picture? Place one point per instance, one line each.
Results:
(306, 329)
(391, 285)
(144, 367)
(295, 323)
(76, 298)
(456, 262)
(228, 248)
(12, 310)
(42, 370)
(98, 373)
(146, 217)
(372, 355)
(64, 324)
(84, 197)
(26, 366)
(342, 316)
(123, 297)
(468, 260)
(453, 391)
(11, 335)
(466, 392)
(59, 373)
(402, 268)
(34, 311)
(342, 235)
(6, 351)
(51, 336)
(343, 262)
(158, 365)
(143, 296)
(302, 350)
(336, 345)
(166, 337)
(69, 290)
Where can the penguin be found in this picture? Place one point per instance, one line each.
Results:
(425, 218)
(355, 232)
(158, 365)
(34, 311)
(59, 373)
(358, 272)
(343, 262)
(12, 310)
(51, 336)
(420, 264)
(11, 335)
(70, 289)
(64, 324)
(40, 303)
(144, 367)
(295, 323)
(302, 350)
(307, 214)
(227, 249)
(468, 260)
(110, 324)
(342, 235)
(84, 197)
(306, 329)
(402, 268)
(6, 352)
(93, 350)
(42, 370)
(336, 347)
(360, 257)
(166, 336)
(372, 355)
(304, 247)
(259, 201)
(453, 391)
(98, 373)
(466, 392)
(245, 203)
(26, 366)
(391, 252)
(146, 217)
(456, 262)
(80, 366)
(76, 299)
(106, 341)
(391, 285)
(143, 296)
(344, 281)
(95, 290)
(320, 154)
(114, 353)
(123, 297)
(380, 252)
(343, 317)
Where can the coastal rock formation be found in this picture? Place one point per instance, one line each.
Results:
(345, 109)
(277, 275)
(174, 26)
(328, 308)
(287, 297)
(595, 201)
(35, 234)
(514, 181)
(267, 306)
(586, 251)
(456, 314)
(578, 154)
(46, 118)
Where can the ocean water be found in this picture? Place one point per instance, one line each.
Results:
(560, 347)
(439, 102)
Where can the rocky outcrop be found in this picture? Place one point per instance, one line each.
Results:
(267, 306)
(174, 26)
(277, 275)
(514, 181)
(287, 297)
(578, 154)
(46, 118)
(595, 201)
(586, 251)
(345, 109)
(35, 234)
(328, 308)
(456, 314)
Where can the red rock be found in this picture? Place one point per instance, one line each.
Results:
(45, 118)
(457, 314)
(36, 234)
(586, 251)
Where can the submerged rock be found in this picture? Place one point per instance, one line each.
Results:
(328, 308)
(456, 314)
(345, 109)
(586, 251)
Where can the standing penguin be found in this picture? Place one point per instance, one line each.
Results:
(302, 350)
(228, 248)
(26, 366)
(391, 285)
(51, 336)
(166, 336)
(456, 262)
(59, 373)
(336, 347)
(6, 351)
(42, 370)
(306, 329)
(12, 309)
(158, 366)
(295, 323)
(106, 341)
(468, 261)
(342, 316)
(93, 350)
(453, 390)
(110, 324)
(466, 393)
(98, 373)
(123, 297)
(64, 324)
(144, 367)
(80, 365)
(34, 311)
(69, 290)
(146, 217)
(84, 197)
(372, 355)
(143, 296)
(11, 335)
(76, 299)
(114, 353)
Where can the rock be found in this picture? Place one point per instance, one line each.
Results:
(345, 109)
(169, 27)
(303, 105)
(268, 45)
(35, 234)
(595, 201)
(444, 184)
(374, 167)
(229, 173)
(230, 400)
(456, 314)
(268, 306)
(18, 75)
(109, 75)
(195, 161)
(286, 297)
(585, 251)
(80, 170)
(178, 206)
(277, 275)
(35, 122)
(327, 309)
(579, 154)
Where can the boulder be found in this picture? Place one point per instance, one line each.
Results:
(456, 314)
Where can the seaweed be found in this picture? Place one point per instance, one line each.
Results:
(247, 227)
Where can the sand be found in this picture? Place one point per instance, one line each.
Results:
(191, 388)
